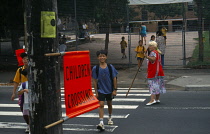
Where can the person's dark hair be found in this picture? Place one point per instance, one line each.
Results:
(24, 72)
(22, 55)
(152, 36)
(140, 41)
(123, 37)
(159, 33)
(101, 52)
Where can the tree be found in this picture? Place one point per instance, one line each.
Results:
(162, 12)
(200, 29)
(108, 12)
(206, 14)
(44, 78)
(84, 9)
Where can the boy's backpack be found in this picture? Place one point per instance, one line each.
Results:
(21, 99)
(110, 72)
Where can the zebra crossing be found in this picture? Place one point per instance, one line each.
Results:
(121, 110)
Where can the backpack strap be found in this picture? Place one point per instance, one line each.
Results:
(97, 70)
(110, 75)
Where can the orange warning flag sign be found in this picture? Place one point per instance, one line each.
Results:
(19, 59)
(79, 98)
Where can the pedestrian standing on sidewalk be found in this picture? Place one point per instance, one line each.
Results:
(161, 45)
(140, 50)
(164, 30)
(18, 79)
(123, 44)
(105, 84)
(62, 44)
(23, 90)
(155, 74)
(143, 33)
(152, 39)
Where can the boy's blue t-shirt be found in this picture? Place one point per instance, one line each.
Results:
(104, 82)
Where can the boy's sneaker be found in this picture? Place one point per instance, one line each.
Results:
(110, 122)
(100, 127)
(27, 129)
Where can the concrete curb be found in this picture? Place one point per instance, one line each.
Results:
(197, 88)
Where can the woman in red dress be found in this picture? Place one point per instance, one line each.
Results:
(155, 74)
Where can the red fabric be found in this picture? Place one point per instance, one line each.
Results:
(152, 67)
(19, 59)
(79, 98)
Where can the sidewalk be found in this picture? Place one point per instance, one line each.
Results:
(176, 77)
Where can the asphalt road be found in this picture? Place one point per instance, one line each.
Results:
(180, 112)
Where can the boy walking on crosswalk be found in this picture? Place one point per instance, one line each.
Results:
(105, 84)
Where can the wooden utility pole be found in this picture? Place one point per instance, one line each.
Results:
(44, 78)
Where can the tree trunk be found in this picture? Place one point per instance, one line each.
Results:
(209, 34)
(44, 77)
(107, 41)
(107, 38)
(200, 31)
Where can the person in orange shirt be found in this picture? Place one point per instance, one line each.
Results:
(140, 51)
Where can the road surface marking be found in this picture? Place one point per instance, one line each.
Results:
(124, 100)
(179, 108)
(63, 106)
(86, 115)
(124, 91)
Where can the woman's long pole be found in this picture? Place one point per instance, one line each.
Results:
(134, 79)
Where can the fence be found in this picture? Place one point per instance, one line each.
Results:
(182, 34)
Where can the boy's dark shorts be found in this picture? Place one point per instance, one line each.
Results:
(103, 97)
(165, 37)
(122, 50)
(138, 58)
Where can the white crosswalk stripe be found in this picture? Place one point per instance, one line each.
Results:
(63, 106)
(135, 96)
(86, 115)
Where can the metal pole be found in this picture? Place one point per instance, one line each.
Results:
(129, 45)
(25, 33)
(183, 34)
(75, 16)
(129, 36)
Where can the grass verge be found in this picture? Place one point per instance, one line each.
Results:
(194, 61)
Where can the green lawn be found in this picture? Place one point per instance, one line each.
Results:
(194, 62)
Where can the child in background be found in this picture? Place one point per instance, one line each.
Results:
(140, 50)
(123, 44)
(152, 39)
